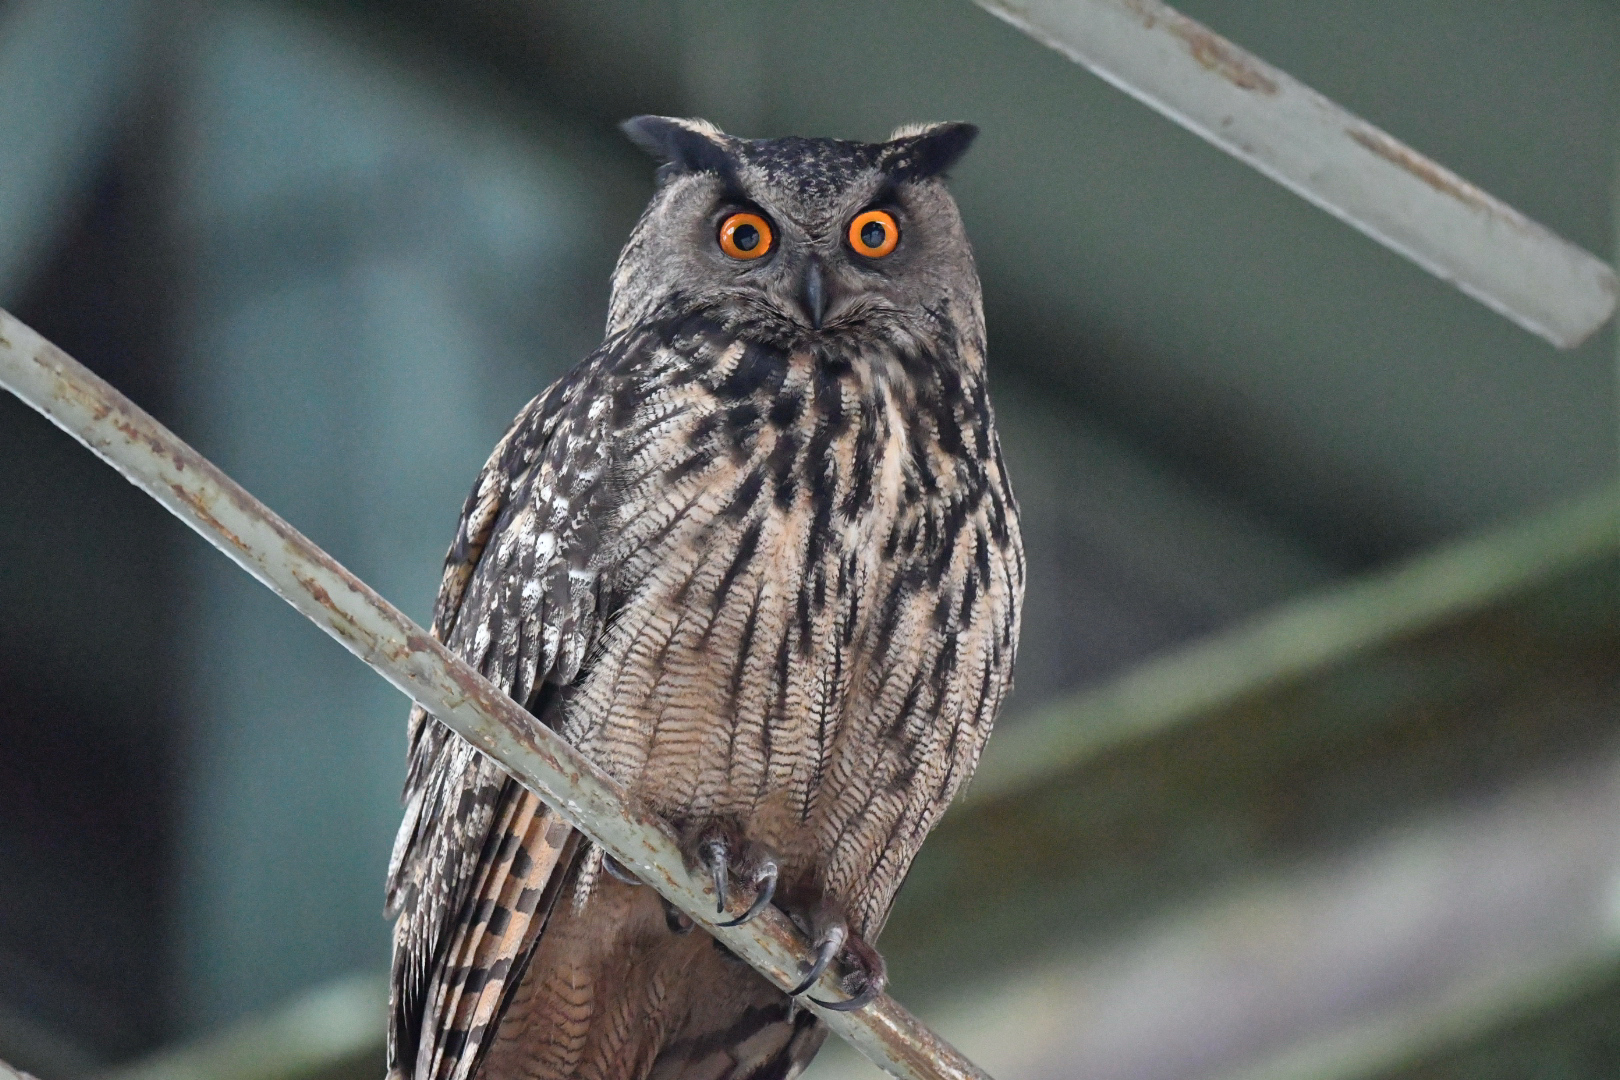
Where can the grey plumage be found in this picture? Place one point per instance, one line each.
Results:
(757, 556)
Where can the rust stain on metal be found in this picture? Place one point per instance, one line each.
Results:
(136, 433)
(342, 621)
(470, 684)
(1223, 58)
(200, 508)
(66, 389)
(319, 593)
(906, 1040)
(1430, 172)
(1235, 65)
(104, 401)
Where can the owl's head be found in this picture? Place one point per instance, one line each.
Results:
(793, 240)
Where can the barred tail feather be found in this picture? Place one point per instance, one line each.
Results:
(514, 888)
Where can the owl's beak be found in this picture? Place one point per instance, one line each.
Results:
(814, 294)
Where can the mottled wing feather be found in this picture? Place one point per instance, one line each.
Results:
(518, 601)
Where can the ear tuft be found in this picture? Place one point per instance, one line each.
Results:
(683, 146)
(924, 151)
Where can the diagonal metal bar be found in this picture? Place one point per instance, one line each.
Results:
(1264, 117)
(155, 460)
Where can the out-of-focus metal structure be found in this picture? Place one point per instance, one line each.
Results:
(1266, 118)
(8, 1073)
(331, 1033)
(1438, 590)
(70, 71)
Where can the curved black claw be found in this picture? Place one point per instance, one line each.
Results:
(867, 971)
(765, 883)
(860, 1000)
(829, 947)
(716, 857)
(617, 871)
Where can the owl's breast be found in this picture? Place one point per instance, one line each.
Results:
(749, 551)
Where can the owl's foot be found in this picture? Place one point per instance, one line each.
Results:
(865, 978)
(718, 852)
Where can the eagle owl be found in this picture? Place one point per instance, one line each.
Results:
(757, 557)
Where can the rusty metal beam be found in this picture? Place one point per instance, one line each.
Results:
(155, 460)
(1267, 119)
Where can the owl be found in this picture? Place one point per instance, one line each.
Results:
(758, 558)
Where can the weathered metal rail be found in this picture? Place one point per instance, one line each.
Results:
(332, 1032)
(158, 462)
(1298, 640)
(1337, 738)
(1267, 119)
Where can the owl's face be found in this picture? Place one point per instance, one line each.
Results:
(793, 240)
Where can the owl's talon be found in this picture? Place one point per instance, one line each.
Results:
(723, 852)
(617, 871)
(868, 971)
(830, 945)
(859, 1001)
(765, 883)
(715, 854)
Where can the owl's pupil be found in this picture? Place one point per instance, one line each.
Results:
(746, 237)
(873, 234)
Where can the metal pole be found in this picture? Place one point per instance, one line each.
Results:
(1313, 147)
(192, 488)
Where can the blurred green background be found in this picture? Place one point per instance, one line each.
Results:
(1321, 661)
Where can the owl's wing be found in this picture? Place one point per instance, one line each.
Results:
(472, 875)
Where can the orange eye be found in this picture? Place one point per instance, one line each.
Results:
(874, 233)
(745, 236)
